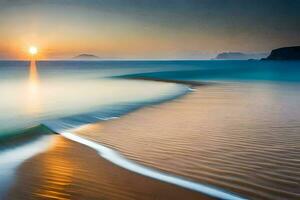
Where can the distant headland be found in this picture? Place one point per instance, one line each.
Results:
(285, 53)
(86, 57)
(239, 56)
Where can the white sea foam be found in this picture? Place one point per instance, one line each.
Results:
(192, 89)
(107, 118)
(12, 157)
(119, 160)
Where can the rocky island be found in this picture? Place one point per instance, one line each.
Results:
(239, 56)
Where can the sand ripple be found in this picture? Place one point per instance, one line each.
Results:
(72, 171)
(244, 138)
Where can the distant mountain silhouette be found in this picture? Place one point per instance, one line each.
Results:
(239, 56)
(285, 53)
(86, 57)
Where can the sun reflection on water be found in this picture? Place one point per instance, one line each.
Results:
(33, 77)
(33, 96)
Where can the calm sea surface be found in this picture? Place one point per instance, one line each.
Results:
(79, 92)
(248, 122)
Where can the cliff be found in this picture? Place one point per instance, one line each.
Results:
(285, 53)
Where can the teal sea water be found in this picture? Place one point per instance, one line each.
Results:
(66, 88)
(72, 93)
(68, 94)
(82, 92)
(252, 70)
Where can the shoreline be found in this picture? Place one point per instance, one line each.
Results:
(160, 187)
(16, 150)
(31, 134)
(118, 160)
(124, 128)
(182, 82)
(71, 170)
(192, 116)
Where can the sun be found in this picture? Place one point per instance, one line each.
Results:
(33, 50)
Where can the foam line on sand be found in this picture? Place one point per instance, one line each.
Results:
(119, 160)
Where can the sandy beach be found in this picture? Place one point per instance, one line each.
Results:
(216, 135)
(72, 171)
(228, 136)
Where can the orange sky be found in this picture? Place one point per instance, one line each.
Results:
(148, 29)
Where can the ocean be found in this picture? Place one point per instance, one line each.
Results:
(36, 93)
(63, 95)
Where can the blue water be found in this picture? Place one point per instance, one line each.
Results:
(278, 71)
(79, 92)
(72, 93)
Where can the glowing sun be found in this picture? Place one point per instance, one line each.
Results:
(33, 50)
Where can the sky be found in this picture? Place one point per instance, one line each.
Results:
(146, 29)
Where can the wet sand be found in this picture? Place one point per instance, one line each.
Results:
(240, 137)
(69, 170)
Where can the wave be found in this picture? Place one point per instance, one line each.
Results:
(17, 149)
(64, 126)
(108, 112)
(119, 160)
(233, 136)
(15, 141)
